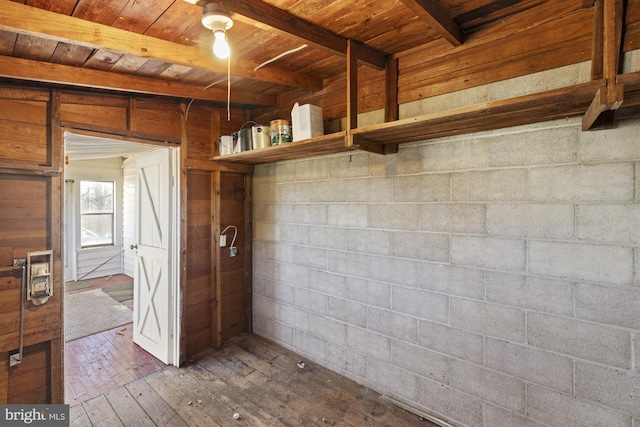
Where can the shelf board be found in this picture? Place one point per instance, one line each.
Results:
(543, 106)
(326, 144)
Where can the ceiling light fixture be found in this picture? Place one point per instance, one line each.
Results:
(218, 21)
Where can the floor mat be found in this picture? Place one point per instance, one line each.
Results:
(123, 292)
(74, 286)
(87, 313)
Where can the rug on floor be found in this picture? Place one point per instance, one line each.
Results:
(123, 292)
(87, 313)
(74, 286)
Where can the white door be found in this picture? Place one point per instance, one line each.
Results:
(153, 310)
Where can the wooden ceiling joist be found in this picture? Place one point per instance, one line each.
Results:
(436, 18)
(285, 22)
(24, 69)
(15, 17)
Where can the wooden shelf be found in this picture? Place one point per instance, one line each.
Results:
(327, 144)
(549, 105)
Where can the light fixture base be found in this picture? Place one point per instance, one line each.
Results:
(215, 19)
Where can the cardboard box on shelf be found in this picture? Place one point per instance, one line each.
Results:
(306, 121)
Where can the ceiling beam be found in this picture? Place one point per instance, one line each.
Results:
(15, 17)
(291, 25)
(437, 18)
(45, 72)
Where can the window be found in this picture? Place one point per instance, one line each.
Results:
(96, 213)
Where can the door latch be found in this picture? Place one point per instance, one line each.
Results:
(40, 277)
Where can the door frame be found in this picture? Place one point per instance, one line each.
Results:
(176, 228)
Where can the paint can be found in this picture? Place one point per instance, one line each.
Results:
(226, 145)
(261, 136)
(280, 132)
(236, 142)
(245, 139)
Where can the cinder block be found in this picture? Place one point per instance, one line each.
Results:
(488, 252)
(310, 257)
(619, 143)
(265, 269)
(347, 360)
(616, 388)
(530, 292)
(537, 147)
(451, 280)
(392, 324)
(259, 286)
(594, 263)
(265, 307)
(311, 192)
(266, 212)
(455, 342)
(369, 241)
(421, 188)
(263, 193)
(586, 340)
(370, 190)
(614, 306)
(488, 319)
(347, 311)
(394, 217)
(423, 246)
(498, 417)
(309, 344)
(609, 223)
(637, 183)
(368, 292)
(348, 263)
(539, 82)
(636, 256)
(459, 407)
(423, 362)
(327, 283)
(531, 364)
(395, 270)
(488, 385)
(263, 174)
(310, 300)
(294, 317)
(399, 381)
(454, 154)
(279, 332)
(349, 215)
(563, 410)
(548, 221)
(453, 218)
(284, 172)
(582, 183)
(328, 237)
(328, 329)
(295, 234)
(406, 161)
(491, 185)
(369, 343)
(279, 292)
(294, 275)
(348, 166)
(266, 231)
(307, 214)
(274, 251)
(422, 304)
(313, 169)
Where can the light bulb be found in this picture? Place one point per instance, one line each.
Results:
(220, 45)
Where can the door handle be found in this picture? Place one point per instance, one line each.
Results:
(134, 246)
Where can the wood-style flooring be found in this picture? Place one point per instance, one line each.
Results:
(257, 379)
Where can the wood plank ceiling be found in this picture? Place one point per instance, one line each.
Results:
(161, 47)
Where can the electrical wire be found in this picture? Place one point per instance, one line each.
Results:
(280, 56)
(235, 234)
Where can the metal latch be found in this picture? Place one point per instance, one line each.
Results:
(40, 277)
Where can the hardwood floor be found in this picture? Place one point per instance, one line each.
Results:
(251, 376)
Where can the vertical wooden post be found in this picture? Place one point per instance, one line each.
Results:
(352, 85)
(613, 10)
(391, 109)
(182, 298)
(597, 41)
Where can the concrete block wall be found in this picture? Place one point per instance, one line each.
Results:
(489, 279)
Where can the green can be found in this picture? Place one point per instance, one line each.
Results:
(280, 132)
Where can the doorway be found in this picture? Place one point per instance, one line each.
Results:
(102, 243)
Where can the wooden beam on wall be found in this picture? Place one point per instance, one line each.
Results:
(36, 22)
(438, 19)
(291, 25)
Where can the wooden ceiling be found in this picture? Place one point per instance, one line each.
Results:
(161, 47)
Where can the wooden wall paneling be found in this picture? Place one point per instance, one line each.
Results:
(155, 119)
(248, 254)
(30, 381)
(23, 130)
(217, 228)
